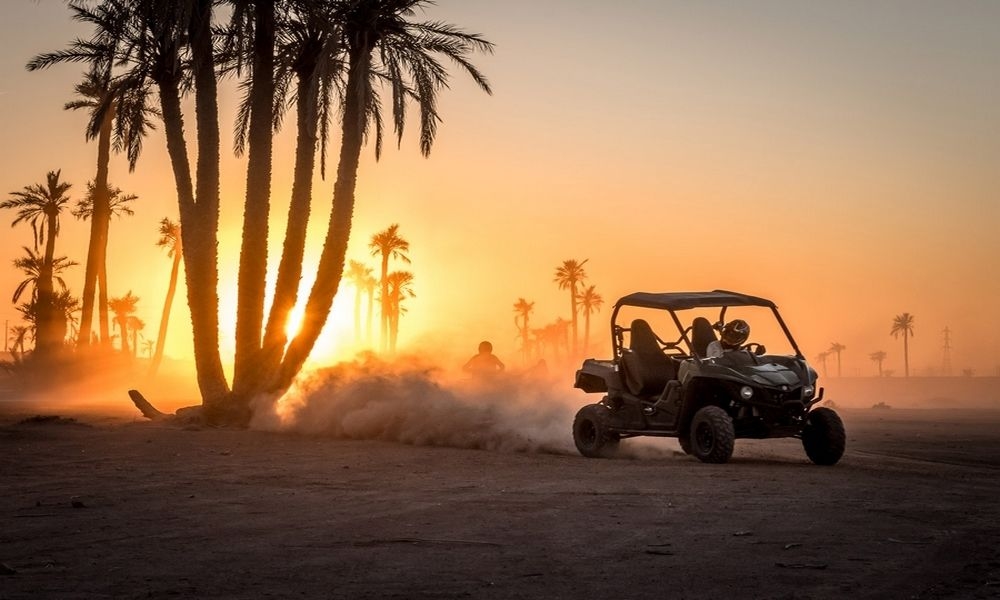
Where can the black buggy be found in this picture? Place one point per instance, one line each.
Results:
(672, 388)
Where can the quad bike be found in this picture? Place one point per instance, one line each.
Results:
(673, 388)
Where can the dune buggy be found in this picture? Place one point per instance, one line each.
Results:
(673, 388)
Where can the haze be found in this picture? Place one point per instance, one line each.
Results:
(839, 158)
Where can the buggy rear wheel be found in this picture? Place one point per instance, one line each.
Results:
(823, 437)
(590, 432)
(712, 436)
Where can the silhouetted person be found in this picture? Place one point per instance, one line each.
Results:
(734, 335)
(484, 363)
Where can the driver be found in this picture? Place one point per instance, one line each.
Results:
(734, 335)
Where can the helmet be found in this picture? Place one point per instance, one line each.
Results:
(485, 347)
(735, 333)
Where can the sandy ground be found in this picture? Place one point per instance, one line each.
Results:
(95, 508)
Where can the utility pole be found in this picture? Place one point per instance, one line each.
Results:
(946, 361)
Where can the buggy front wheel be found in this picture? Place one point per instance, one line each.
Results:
(712, 435)
(823, 437)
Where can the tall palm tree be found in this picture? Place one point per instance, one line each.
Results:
(522, 312)
(590, 302)
(123, 308)
(821, 358)
(170, 239)
(41, 205)
(358, 273)
(400, 288)
(388, 244)
(112, 203)
(837, 348)
(903, 325)
(568, 275)
(381, 43)
(99, 95)
(877, 358)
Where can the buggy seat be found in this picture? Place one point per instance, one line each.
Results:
(645, 367)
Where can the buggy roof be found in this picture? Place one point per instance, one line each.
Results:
(686, 300)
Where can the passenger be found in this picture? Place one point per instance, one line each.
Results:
(734, 335)
(484, 363)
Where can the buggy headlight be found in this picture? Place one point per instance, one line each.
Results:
(808, 391)
(746, 392)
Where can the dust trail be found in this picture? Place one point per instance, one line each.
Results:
(416, 403)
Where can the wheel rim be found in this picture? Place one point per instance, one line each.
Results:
(704, 438)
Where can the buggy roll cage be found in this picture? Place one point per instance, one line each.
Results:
(676, 301)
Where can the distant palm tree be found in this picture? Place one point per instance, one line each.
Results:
(370, 284)
(877, 358)
(170, 239)
(903, 325)
(114, 204)
(18, 334)
(821, 358)
(568, 275)
(400, 288)
(148, 347)
(135, 325)
(41, 205)
(590, 302)
(837, 348)
(522, 311)
(101, 97)
(358, 273)
(123, 308)
(388, 244)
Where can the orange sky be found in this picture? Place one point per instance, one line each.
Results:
(839, 158)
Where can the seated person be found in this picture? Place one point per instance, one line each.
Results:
(484, 363)
(734, 335)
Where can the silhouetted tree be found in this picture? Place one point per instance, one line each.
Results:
(358, 273)
(590, 302)
(400, 288)
(877, 357)
(123, 308)
(821, 358)
(903, 325)
(370, 285)
(568, 275)
(114, 204)
(40, 206)
(837, 348)
(18, 335)
(387, 244)
(522, 312)
(170, 239)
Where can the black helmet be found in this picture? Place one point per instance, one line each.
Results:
(735, 333)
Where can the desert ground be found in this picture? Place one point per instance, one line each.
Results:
(110, 505)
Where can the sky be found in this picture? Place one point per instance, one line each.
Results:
(839, 158)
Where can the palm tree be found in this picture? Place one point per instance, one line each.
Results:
(123, 308)
(821, 358)
(32, 265)
(135, 325)
(568, 275)
(66, 323)
(18, 334)
(877, 357)
(41, 205)
(903, 325)
(358, 274)
(148, 347)
(837, 348)
(113, 203)
(378, 30)
(388, 243)
(370, 284)
(170, 239)
(590, 302)
(522, 311)
(101, 97)
(400, 289)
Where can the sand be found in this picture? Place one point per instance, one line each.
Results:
(110, 507)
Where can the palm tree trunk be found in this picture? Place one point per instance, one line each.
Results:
(123, 327)
(906, 354)
(161, 336)
(331, 263)
(286, 287)
(253, 251)
(586, 329)
(572, 298)
(104, 319)
(45, 330)
(98, 238)
(384, 304)
(199, 252)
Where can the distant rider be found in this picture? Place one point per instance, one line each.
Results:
(484, 363)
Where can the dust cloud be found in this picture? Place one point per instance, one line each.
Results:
(414, 402)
